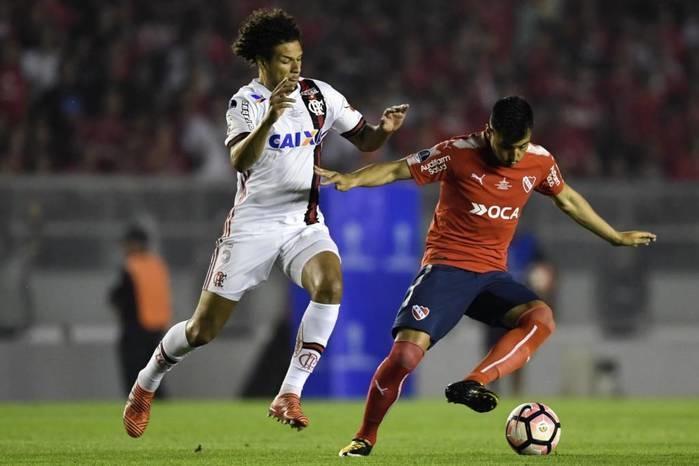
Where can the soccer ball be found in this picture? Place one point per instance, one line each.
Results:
(533, 429)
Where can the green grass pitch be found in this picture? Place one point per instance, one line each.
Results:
(634, 432)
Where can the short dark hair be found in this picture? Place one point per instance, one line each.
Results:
(511, 117)
(263, 30)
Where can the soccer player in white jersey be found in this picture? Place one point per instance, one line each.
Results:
(276, 125)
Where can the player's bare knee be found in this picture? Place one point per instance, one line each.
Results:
(200, 333)
(327, 291)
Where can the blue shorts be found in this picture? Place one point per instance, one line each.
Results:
(441, 294)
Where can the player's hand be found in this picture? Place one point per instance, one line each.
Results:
(635, 238)
(393, 117)
(342, 181)
(278, 101)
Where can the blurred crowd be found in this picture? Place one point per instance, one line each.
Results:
(132, 87)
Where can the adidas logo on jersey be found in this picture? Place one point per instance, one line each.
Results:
(494, 211)
(297, 139)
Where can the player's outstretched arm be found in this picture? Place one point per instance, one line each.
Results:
(371, 137)
(577, 208)
(376, 174)
(247, 151)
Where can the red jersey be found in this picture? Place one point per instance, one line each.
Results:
(480, 202)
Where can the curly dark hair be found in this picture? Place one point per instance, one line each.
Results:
(263, 30)
(511, 117)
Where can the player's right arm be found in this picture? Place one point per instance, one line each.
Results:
(377, 174)
(245, 151)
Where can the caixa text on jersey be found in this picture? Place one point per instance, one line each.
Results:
(300, 138)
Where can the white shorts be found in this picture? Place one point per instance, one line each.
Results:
(241, 262)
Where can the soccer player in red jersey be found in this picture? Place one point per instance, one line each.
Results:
(486, 179)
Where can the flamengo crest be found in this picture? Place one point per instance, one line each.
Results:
(316, 107)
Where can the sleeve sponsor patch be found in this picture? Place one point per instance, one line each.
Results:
(436, 165)
(430, 165)
(553, 179)
(431, 161)
(238, 118)
(245, 112)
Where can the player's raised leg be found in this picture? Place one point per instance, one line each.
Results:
(532, 323)
(211, 314)
(407, 352)
(322, 278)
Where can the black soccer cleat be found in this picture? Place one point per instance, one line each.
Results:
(357, 447)
(472, 394)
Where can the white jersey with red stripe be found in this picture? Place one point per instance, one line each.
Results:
(281, 186)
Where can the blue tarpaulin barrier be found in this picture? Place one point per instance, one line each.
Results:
(378, 233)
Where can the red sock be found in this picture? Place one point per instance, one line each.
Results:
(515, 348)
(385, 386)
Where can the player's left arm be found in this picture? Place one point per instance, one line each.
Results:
(371, 137)
(577, 208)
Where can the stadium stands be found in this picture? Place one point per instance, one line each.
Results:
(141, 87)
